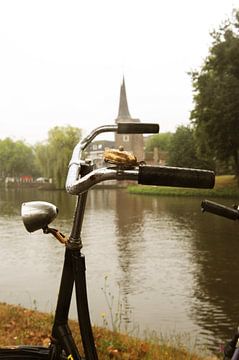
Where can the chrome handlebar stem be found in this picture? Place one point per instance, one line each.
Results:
(76, 185)
(96, 176)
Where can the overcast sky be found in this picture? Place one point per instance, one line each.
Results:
(62, 62)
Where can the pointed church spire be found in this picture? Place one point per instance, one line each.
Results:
(123, 104)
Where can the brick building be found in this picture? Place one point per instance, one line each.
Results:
(130, 142)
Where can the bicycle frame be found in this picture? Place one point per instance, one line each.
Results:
(74, 273)
(74, 265)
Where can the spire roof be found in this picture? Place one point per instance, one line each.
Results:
(123, 104)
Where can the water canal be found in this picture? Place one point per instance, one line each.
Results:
(174, 269)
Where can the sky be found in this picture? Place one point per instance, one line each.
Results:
(62, 62)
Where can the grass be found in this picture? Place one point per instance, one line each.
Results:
(225, 186)
(23, 326)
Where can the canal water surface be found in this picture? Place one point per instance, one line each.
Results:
(172, 269)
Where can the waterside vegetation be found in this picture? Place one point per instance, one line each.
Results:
(225, 186)
(23, 326)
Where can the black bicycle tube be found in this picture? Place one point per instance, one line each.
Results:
(74, 271)
(75, 237)
(78, 260)
(60, 330)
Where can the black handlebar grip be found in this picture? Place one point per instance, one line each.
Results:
(220, 210)
(174, 176)
(137, 128)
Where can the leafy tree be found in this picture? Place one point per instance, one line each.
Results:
(216, 96)
(161, 141)
(183, 152)
(53, 157)
(16, 158)
(157, 146)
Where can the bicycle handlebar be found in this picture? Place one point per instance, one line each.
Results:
(174, 176)
(137, 128)
(121, 128)
(148, 175)
(220, 210)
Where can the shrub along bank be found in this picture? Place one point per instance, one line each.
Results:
(225, 186)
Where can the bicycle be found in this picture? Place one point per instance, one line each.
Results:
(231, 351)
(36, 215)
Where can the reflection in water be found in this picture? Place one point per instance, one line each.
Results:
(176, 267)
(213, 245)
(157, 269)
(129, 223)
(217, 275)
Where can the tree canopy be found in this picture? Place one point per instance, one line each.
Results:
(161, 141)
(216, 96)
(16, 158)
(183, 151)
(53, 156)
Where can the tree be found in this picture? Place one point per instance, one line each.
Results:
(216, 96)
(157, 146)
(161, 141)
(183, 152)
(53, 157)
(16, 158)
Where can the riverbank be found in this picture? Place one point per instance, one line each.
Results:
(225, 186)
(23, 326)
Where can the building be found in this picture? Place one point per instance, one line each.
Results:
(130, 142)
(95, 151)
(133, 143)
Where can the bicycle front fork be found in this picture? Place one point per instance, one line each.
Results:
(73, 272)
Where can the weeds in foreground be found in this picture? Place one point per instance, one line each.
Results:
(154, 346)
(115, 309)
(119, 312)
(19, 325)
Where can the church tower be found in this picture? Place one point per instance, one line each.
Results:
(130, 142)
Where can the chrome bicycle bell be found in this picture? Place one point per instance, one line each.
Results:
(38, 214)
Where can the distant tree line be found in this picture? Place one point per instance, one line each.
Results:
(47, 159)
(53, 156)
(16, 159)
(210, 141)
(179, 149)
